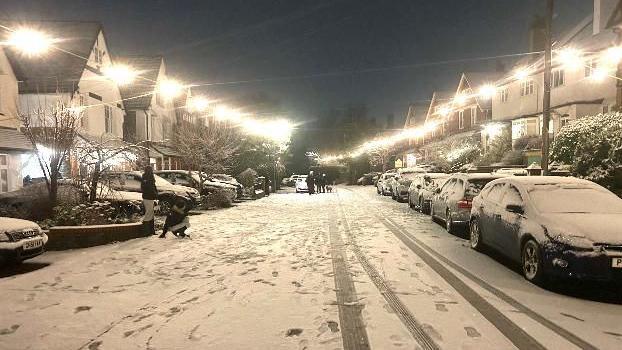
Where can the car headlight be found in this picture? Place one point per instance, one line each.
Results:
(4, 237)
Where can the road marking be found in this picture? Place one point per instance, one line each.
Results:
(353, 330)
(411, 241)
(404, 314)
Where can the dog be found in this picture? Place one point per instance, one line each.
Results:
(329, 189)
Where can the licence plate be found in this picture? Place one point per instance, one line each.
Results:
(36, 243)
(617, 263)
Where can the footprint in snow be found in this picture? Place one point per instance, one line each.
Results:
(81, 308)
(293, 332)
(10, 330)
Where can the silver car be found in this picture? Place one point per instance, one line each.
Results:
(20, 240)
(422, 190)
(383, 186)
(452, 202)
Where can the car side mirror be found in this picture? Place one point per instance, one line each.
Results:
(515, 208)
(438, 190)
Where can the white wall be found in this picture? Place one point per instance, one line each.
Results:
(8, 93)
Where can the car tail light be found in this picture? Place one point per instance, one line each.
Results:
(464, 204)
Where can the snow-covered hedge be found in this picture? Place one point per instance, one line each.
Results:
(593, 147)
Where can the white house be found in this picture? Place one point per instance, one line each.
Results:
(150, 116)
(579, 87)
(72, 74)
(13, 144)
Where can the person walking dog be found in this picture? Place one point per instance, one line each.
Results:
(150, 194)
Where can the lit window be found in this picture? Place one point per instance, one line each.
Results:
(526, 87)
(473, 115)
(558, 78)
(504, 94)
(590, 66)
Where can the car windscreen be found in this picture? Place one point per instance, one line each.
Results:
(475, 186)
(160, 181)
(564, 199)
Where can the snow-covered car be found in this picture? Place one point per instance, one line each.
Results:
(511, 171)
(167, 192)
(552, 226)
(452, 202)
(383, 184)
(229, 180)
(191, 179)
(401, 183)
(20, 240)
(301, 184)
(422, 189)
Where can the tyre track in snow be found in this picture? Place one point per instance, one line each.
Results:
(401, 310)
(513, 332)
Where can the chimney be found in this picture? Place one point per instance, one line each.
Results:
(603, 9)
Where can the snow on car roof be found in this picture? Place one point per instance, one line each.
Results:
(469, 176)
(550, 180)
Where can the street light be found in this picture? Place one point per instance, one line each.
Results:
(521, 74)
(198, 104)
(170, 88)
(119, 73)
(613, 55)
(29, 41)
(487, 91)
(570, 57)
(598, 75)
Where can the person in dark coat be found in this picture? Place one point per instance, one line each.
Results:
(150, 194)
(323, 183)
(311, 183)
(177, 219)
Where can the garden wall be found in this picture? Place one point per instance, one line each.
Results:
(71, 237)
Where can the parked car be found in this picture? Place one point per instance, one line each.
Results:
(383, 186)
(191, 179)
(552, 226)
(511, 171)
(452, 202)
(367, 179)
(229, 180)
(422, 190)
(20, 240)
(167, 192)
(401, 182)
(301, 184)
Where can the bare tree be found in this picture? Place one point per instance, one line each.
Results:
(98, 154)
(52, 132)
(380, 156)
(207, 149)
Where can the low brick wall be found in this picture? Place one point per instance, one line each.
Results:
(70, 237)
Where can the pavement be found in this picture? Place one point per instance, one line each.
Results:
(345, 270)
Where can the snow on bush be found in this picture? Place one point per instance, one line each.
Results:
(94, 213)
(592, 146)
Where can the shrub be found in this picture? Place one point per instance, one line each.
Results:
(95, 213)
(497, 148)
(528, 142)
(216, 199)
(513, 158)
(247, 179)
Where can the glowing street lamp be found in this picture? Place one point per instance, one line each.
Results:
(460, 99)
(487, 91)
(613, 55)
(521, 74)
(120, 74)
(570, 58)
(598, 75)
(30, 42)
(444, 111)
(170, 89)
(198, 104)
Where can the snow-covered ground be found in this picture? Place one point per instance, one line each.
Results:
(262, 275)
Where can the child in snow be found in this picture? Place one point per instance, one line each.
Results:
(177, 220)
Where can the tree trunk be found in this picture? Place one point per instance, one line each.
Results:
(94, 182)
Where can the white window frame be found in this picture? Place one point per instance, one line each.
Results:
(558, 78)
(5, 168)
(590, 65)
(504, 95)
(563, 121)
(527, 87)
(108, 127)
(461, 119)
(474, 120)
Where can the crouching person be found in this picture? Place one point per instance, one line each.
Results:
(177, 219)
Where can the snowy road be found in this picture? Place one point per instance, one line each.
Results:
(346, 270)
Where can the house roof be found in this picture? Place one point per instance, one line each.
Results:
(417, 112)
(477, 80)
(55, 71)
(14, 139)
(137, 95)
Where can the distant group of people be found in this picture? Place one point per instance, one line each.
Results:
(317, 183)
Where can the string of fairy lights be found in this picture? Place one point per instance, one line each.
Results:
(31, 42)
(601, 65)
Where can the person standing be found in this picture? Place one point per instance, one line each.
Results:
(150, 194)
(324, 183)
(311, 183)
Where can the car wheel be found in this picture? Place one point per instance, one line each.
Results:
(532, 262)
(475, 235)
(449, 222)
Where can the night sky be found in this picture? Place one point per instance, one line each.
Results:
(311, 55)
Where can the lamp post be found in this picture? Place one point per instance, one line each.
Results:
(546, 99)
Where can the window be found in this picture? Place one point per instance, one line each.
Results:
(461, 119)
(81, 101)
(108, 119)
(505, 93)
(473, 115)
(532, 127)
(495, 193)
(511, 196)
(526, 87)
(564, 121)
(4, 173)
(558, 77)
(590, 65)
